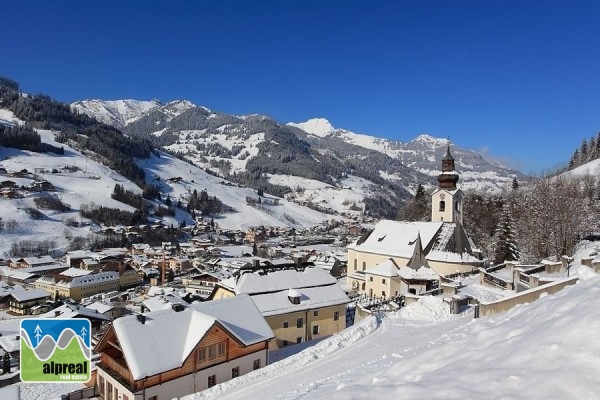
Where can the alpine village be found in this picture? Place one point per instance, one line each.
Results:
(205, 248)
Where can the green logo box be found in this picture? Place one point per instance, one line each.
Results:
(55, 350)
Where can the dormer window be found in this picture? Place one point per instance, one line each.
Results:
(294, 296)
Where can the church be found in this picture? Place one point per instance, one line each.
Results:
(410, 257)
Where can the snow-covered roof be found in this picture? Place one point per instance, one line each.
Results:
(251, 283)
(170, 336)
(73, 272)
(163, 302)
(100, 307)
(26, 295)
(386, 268)
(310, 298)
(424, 273)
(240, 315)
(10, 343)
(397, 238)
(74, 311)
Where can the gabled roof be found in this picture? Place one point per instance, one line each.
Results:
(397, 239)
(169, 336)
(310, 298)
(26, 295)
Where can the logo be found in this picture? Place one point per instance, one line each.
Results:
(55, 350)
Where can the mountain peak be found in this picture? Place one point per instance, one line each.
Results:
(431, 141)
(315, 126)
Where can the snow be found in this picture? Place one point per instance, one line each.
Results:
(536, 351)
(114, 112)
(250, 283)
(312, 298)
(316, 126)
(169, 338)
(398, 238)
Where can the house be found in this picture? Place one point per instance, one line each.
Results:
(128, 276)
(42, 186)
(67, 311)
(28, 262)
(22, 302)
(182, 352)
(297, 305)
(446, 245)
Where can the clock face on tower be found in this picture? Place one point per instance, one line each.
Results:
(442, 196)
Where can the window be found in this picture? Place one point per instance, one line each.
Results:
(285, 343)
(221, 349)
(370, 292)
(315, 329)
(256, 364)
(364, 265)
(202, 354)
(235, 372)
(153, 398)
(363, 286)
(442, 205)
(383, 281)
(383, 293)
(355, 264)
(336, 315)
(316, 313)
(286, 324)
(212, 380)
(212, 351)
(370, 279)
(456, 205)
(299, 322)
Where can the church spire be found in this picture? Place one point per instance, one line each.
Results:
(418, 259)
(448, 178)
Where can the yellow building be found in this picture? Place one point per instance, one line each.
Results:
(75, 284)
(297, 305)
(128, 276)
(445, 246)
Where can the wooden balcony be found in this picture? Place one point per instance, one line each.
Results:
(117, 368)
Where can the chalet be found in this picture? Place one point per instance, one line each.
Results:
(8, 184)
(22, 302)
(28, 262)
(202, 284)
(42, 186)
(298, 305)
(182, 352)
(9, 193)
(179, 264)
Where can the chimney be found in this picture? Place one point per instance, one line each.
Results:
(56, 313)
(141, 318)
(256, 264)
(177, 307)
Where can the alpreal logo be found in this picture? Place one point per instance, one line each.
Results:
(55, 350)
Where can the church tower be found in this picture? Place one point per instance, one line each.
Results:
(446, 200)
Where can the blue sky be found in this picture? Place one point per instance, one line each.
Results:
(516, 79)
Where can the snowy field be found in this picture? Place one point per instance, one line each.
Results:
(549, 349)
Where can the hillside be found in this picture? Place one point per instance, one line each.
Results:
(81, 180)
(541, 350)
(288, 160)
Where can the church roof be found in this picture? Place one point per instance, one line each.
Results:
(387, 268)
(441, 241)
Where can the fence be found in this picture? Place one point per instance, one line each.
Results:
(84, 393)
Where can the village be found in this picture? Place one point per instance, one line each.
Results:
(175, 319)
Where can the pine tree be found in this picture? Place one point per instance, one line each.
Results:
(515, 183)
(6, 363)
(506, 246)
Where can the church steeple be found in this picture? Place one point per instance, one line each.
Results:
(446, 200)
(448, 178)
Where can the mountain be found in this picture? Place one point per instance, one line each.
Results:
(83, 162)
(314, 163)
(422, 154)
(116, 113)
